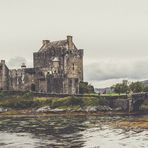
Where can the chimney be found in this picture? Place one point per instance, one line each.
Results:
(3, 61)
(70, 42)
(45, 42)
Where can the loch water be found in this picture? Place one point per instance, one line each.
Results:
(70, 132)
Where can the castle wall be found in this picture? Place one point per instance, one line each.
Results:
(58, 68)
(43, 59)
(68, 75)
(73, 68)
(42, 85)
(4, 76)
(22, 79)
(75, 65)
(55, 85)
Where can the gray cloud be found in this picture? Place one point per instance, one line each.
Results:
(116, 69)
(103, 72)
(103, 28)
(16, 62)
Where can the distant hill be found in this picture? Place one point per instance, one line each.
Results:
(103, 90)
(109, 90)
(145, 82)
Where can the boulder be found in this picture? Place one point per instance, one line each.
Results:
(104, 108)
(44, 109)
(90, 109)
(3, 109)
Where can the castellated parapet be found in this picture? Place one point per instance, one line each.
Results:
(58, 68)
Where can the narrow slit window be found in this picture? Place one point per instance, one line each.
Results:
(73, 66)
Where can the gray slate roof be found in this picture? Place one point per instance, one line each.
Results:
(62, 44)
(55, 44)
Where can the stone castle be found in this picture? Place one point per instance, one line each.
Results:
(58, 68)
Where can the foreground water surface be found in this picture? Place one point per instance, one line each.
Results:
(71, 132)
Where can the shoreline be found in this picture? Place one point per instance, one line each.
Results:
(28, 113)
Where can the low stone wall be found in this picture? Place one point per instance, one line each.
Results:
(115, 102)
(12, 93)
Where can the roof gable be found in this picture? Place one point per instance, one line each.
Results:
(61, 44)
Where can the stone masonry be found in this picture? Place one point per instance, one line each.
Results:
(58, 69)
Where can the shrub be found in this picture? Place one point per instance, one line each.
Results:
(40, 99)
(90, 101)
(2, 94)
(84, 87)
(28, 95)
(67, 101)
(103, 101)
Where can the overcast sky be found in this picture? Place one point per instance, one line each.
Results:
(113, 33)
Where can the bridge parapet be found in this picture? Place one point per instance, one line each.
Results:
(137, 100)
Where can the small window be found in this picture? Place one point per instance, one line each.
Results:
(76, 80)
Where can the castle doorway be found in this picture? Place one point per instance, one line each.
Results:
(32, 87)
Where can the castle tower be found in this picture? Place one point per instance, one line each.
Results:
(63, 63)
(4, 76)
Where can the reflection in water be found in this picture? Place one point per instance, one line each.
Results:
(68, 132)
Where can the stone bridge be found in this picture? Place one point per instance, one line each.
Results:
(136, 100)
(129, 103)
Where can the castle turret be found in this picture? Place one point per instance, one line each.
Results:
(23, 66)
(4, 76)
(70, 42)
(56, 63)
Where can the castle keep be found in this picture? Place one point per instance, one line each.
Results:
(58, 68)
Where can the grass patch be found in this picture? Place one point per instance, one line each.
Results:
(78, 101)
(40, 99)
(113, 94)
(24, 102)
(144, 105)
(72, 102)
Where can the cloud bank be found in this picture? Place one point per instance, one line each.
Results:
(116, 69)
(103, 72)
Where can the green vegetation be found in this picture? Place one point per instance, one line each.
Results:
(28, 95)
(145, 105)
(72, 101)
(85, 88)
(41, 99)
(113, 94)
(22, 102)
(121, 87)
(27, 101)
(136, 87)
(1, 94)
(125, 87)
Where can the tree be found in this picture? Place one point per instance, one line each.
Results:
(117, 88)
(121, 87)
(84, 87)
(136, 87)
(125, 87)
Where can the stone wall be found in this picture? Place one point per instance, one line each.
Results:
(4, 76)
(22, 79)
(58, 68)
(44, 59)
(62, 64)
